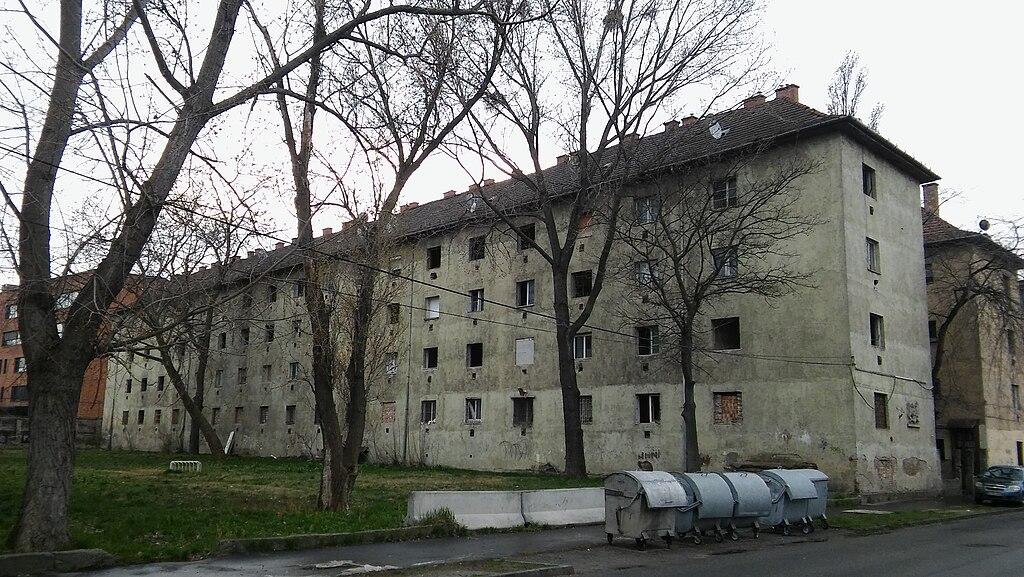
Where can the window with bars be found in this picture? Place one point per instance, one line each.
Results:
(586, 409)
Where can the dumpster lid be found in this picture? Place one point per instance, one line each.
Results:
(798, 482)
(660, 487)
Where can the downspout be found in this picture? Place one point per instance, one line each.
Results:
(408, 371)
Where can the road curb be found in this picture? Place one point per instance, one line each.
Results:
(545, 571)
(317, 541)
(14, 564)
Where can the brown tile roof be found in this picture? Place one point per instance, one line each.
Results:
(938, 231)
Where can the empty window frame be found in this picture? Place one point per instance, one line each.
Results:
(647, 273)
(582, 283)
(723, 193)
(646, 209)
(874, 255)
(525, 293)
(522, 411)
(477, 247)
(524, 351)
(647, 340)
(264, 414)
(474, 410)
(727, 408)
(432, 308)
(868, 181)
(582, 346)
(648, 408)
(726, 261)
(289, 415)
(475, 355)
(527, 233)
(476, 300)
(876, 327)
(430, 358)
(222, 340)
(433, 257)
(160, 381)
(239, 415)
(586, 409)
(725, 333)
(141, 417)
(881, 411)
(428, 411)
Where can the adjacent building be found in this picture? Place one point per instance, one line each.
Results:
(836, 373)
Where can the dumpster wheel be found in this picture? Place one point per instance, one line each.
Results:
(668, 541)
(734, 535)
(824, 524)
(785, 530)
(757, 532)
(806, 528)
(641, 543)
(697, 539)
(610, 538)
(718, 537)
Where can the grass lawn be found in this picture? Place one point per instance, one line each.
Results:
(130, 504)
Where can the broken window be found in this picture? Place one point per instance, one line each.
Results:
(474, 410)
(524, 293)
(868, 181)
(876, 324)
(522, 411)
(648, 408)
(433, 257)
(428, 411)
(477, 247)
(647, 340)
(430, 358)
(725, 333)
(475, 355)
(727, 408)
(582, 283)
(527, 233)
(723, 193)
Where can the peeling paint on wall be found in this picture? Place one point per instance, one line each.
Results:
(913, 466)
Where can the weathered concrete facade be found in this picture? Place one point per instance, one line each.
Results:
(836, 373)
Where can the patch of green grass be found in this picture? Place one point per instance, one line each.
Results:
(132, 506)
(882, 523)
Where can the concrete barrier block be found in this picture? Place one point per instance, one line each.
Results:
(564, 506)
(473, 509)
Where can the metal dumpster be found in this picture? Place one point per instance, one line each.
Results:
(792, 491)
(642, 505)
(712, 505)
(752, 501)
(816, 508)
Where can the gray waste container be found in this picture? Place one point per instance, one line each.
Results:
(793, 492)
(753, 500)
(816, 508)
(712, 505)
(642, 505)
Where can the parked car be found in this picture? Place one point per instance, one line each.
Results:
(1000, 483)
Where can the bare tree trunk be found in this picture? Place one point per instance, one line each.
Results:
(355, 376)
(691, 450)
(575, 457)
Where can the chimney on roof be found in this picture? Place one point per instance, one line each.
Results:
(630, 138)
(671, 125)
(279, 245)
(449, 193)
(931, 198)
(689, 120)
(562, 159)
(347, 225)
(327, 231)
(252, 253)
(789, 92)
(488, 181)
(235, 258)
(407, 207)
(755, 100)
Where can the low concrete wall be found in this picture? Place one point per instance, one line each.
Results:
(504, 509)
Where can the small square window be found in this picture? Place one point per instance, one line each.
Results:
(723, 193)
(648, 408)
(582, 347)
(289, 415)
(873, 255)
(264, 414)
(647, 340)
(433, 257)
(432, 308)
(868, 181)
(428, 411)
(876, 324)
(522, 411)
(527, 233)
(726, 261)
(881, 411)
(727, 408)
(476, 300)
(394, 313)
(647, 209)
(477, 247)
(582, 283)
(430, 358)
(474, 410)
(475, 355)
(525, 293)
(725, 333)
(586, 409)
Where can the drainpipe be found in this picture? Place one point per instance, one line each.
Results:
(408, 371)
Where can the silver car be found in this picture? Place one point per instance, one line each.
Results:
(1000, 483)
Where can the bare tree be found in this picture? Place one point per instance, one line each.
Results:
(848, 84)
(400, 93)
(590, 76)
(91, 114)
(697, 240)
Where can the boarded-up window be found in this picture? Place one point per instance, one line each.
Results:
(524, 352)
(387, 412)
(728, 408)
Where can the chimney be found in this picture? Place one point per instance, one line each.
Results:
(562, 159)
(488, 181)
(671, 125)
(475, 187)
(689, 120)
(789, 92)
(630, 138)
(755, 100)
(347, 225)
(408, 207)
(235, 258)
(252, 253)
(326, 232)
(931, 198)
(279, 245)
(450, 193)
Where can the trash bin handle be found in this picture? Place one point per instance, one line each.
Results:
(689, 507)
